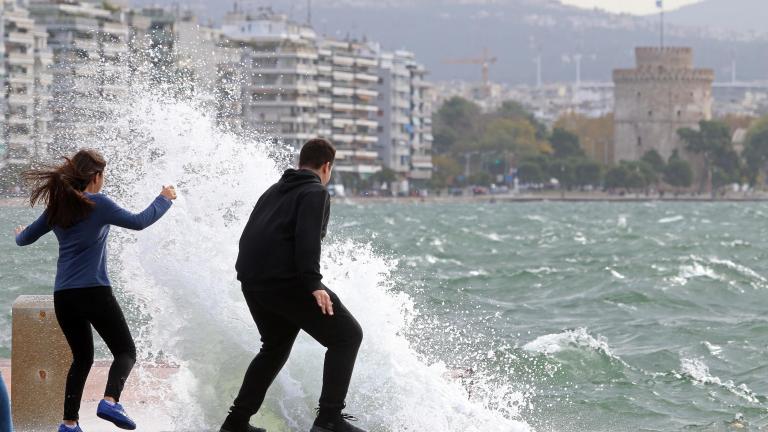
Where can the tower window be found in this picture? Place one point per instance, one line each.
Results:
(639, 141)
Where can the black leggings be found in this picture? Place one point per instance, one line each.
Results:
(279, 315)
(76, 310)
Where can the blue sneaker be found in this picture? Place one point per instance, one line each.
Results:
(65, 428)
(115, 414)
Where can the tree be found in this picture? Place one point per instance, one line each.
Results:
(386, 175)
(565, 144)
(630, 175)
(595, 134)
(713, 142)
(727, 168)
(616, 177)
(531, 173)
(446, 169)
(515, 110)
(587, 173)
(756, 150)
(457, 125)
(564, 171)
(678, 172)
(654, 159)
(481, 179)
(506, 136)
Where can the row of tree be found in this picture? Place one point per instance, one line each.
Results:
(472, 147)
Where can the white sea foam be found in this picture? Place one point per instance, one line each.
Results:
(671, 219)
(692, 271)
(616, 274)
(622, 221)
(180, 274)
(698, 371)
(704, 268)
(713, 349)
(744, 270)
(576, 338)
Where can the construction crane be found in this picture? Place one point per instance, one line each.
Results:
(486, 60)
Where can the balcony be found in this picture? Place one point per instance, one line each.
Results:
(311, 120)
(342, 123)
(367, 123)
(359, 168)
(23, 79)
(366, 93)
(20, 119)
(343, 91)
(366, 108)
(19, 139)
(343, 76)
(343, 106)
(20, 59)
(285, 53)
(368, 139)
(366, 62)
(21, 38)
(343, 138)
(20, 99)
(368, 78)
(113, 49)
(343, 60)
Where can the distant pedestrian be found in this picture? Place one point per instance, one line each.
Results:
(80, 217)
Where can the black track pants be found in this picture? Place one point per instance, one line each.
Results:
(279, 314)
(77, 310)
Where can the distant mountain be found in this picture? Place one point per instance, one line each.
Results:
(517, 31)
(737, 15)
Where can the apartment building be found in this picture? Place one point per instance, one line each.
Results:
(90, 51)
(354, 110)
(26, 71)
(276, 75)
(405, 113)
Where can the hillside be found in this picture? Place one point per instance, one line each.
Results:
(516, 31)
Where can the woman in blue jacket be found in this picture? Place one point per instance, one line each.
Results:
(80, 217)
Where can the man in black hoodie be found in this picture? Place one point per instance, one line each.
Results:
(279, 268)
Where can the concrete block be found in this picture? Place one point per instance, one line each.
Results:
(40, 358)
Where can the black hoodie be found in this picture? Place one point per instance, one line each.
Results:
(281, 241)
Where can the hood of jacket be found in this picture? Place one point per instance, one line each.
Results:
(293, 178)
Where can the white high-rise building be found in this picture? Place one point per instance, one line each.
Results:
(294, 85)
(277, 75)
(90, 71)
(354, 111)
(27, 77)
(405, 140)
(171, 47)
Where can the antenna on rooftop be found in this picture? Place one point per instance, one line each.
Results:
(660, 5)
(309, 12)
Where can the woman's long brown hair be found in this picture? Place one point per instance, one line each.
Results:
(61, 187)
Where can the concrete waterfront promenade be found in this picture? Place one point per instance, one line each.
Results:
(146, 409)
(38, 369)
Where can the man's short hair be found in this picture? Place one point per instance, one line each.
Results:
(316, 152)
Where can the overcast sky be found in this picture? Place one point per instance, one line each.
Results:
(630, 6)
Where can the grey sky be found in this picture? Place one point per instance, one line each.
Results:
(630, 6)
